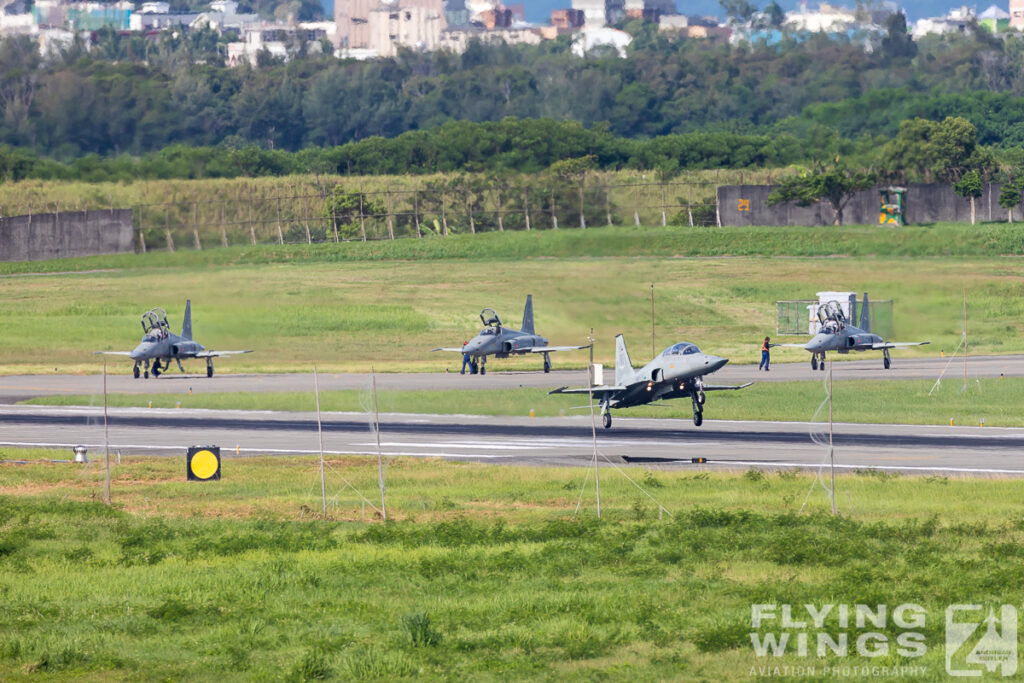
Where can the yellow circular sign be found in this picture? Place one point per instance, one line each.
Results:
(204, 464)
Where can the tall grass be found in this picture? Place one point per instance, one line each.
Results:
(234, 580)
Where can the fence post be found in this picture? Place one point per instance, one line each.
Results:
(167, 230)
(664, 220)
(252, 224)
(391, 224)
(607, 205)
(195, 226)
(554, 218)
(362, 217)
(526, 208)
(501, 225)
(280, 233)
(444, 219)
(142, 236)
(223, 229)
(636, 205)
(416, 212)
(305, 218)
(583, 218)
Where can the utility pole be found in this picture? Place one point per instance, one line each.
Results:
(106, 433)
(593, 420)
(652, 320)
(965, 340)
(380, 458)
(320, 432)
(831, 452)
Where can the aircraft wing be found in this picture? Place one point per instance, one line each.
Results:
(546, 349)
(726, 387)
(597, 391)
(112, 353)
(449, 348)
(786, 346)
(896, 345)
(214, 354)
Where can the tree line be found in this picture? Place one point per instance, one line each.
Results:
(132, 96)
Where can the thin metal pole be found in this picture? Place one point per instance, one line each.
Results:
(380, 458)
(593, 421)
(965, 340)
(106, 432)
(652, 320)
(320, 433)
(831, 453)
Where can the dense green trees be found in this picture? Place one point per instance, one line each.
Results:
(694, 104)
(833, 183)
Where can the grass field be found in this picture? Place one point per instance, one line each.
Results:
(996, 401)
(485, 573)
(348, 307)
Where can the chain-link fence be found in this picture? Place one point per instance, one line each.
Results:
(346, 213)
(798, 317)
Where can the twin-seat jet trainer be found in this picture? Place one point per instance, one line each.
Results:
(678, 372)
(502, 342)
(839, 335)
(160, 344)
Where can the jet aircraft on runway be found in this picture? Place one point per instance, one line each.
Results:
(840, 335)
(159, 343)
(678, 372)
(502, 342)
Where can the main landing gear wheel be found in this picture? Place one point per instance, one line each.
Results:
(136, 372)
(209, 368)
(547, 363)
(483, 369)
(701, 397)
(698, 419)
(474, 368)
(814, 362)
(607, 418)
(886, 360)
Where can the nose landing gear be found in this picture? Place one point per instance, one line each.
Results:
(886, 360)
(698, 412)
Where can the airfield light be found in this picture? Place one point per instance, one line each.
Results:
(80, 455)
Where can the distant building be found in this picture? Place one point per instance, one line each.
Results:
(417, 26)
(457, 39)
(600, 13)
(352, 18)
(995, 19)
(1017, 15)
(567, 19)
(694, 27)
(590, 38)
(955, 22)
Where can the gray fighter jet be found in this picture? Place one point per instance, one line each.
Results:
(678, 372)
(502, 342)
(160, 344)
(838, 334)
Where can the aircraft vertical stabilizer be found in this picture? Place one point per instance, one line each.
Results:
(186, 326)
(528, 316)
(623, 368)
(865, 317)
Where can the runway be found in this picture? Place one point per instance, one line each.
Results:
(14, 388)
(567, 441)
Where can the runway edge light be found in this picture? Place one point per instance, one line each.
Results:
(203, 463)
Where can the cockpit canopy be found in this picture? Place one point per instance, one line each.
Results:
(831, 311)
(489, 331)
(489, 317)
(154, 325)
(681, 349)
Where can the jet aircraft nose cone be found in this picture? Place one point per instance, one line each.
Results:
(815, 344)
(715, 362)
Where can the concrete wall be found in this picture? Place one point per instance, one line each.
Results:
(58, 235)
(747, 205)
